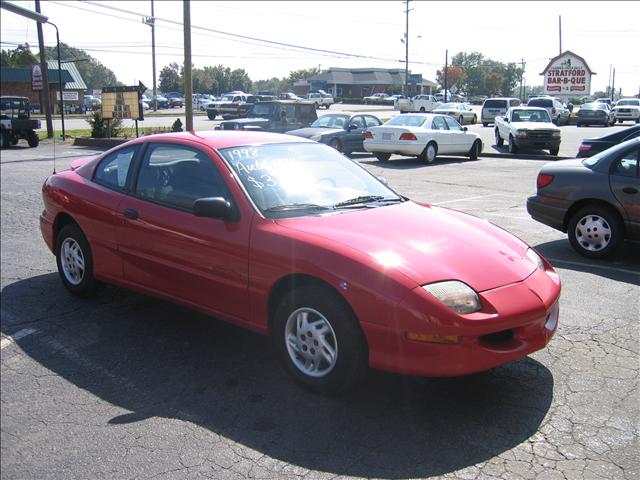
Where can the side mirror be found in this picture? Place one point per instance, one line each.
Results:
(464, 129)
(214, 207)
(353, 126)
(506, 119)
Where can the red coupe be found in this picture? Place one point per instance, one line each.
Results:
(288, 237)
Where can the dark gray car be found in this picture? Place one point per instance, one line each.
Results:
(596, 201)
(343, 132)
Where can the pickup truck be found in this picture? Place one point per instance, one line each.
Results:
(377, 98)
(274, 116)
(321, 100)
(419, 103)
(527, 127)
(229, 103)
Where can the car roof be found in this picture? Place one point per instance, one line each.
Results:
(223, 138)
(526, 107)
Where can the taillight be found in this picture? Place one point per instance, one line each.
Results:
(584, 147)
(408, 136)
(543, 180)
(368, 135)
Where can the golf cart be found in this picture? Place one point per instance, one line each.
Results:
(15, 122)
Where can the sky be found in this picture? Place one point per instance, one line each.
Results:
(351, 34)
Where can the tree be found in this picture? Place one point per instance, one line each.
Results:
(477, 70)
(93, 72)
(271, 85)
(239, 80)
(493, 82)
(296, 75)
(455, 76)
(170, 79)
(20, 57)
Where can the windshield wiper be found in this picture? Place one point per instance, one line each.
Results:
(363, 199)
(296, 206)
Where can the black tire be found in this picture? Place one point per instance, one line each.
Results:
(474, 120)
(4, 140)
(345, 359)
(383, 157)
(554, 151)
(499, 140)
(513, 148)
(461, 120)
(595, 231)
(212, 115)
(337, 144)
(422, 110)
(484, 124)
(578, 125)
(474, 153)
(429, 153)
(637, 120)
(327, 106)
(79, 283)
(32, 139)
(620, 120)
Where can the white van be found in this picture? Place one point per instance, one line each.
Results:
(496, 107)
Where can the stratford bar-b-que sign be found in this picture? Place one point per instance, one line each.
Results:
(567, 74)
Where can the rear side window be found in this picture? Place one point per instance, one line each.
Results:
(627, 166)
(514, 102)
(112, 171)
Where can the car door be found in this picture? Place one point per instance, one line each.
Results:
(167, 249)
(460, 142)
(103, 226)
(354, 133)
(440, 133)
(625, 185)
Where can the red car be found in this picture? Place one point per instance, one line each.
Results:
(288, 237)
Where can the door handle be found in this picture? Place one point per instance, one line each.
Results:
(630, 190)
(130, 213)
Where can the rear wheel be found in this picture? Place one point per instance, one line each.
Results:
(319, 340)
(554, 151)
(485, 124)
(422, 110)
(474, 120)
(430, 153)
(461, 120)
(595, 231)
(75, 262)
(513, 148)
(32, 139)
(212, 115)
(499, 140)
(383, 157)
(4, 139)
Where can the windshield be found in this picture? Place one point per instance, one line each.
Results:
(530, 116)
(628, 102)
(263, 108)
(227, 98)
(407, 121)
(296, 179)
(540, 102)
(331, 121)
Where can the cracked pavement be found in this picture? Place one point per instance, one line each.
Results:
(123, 386)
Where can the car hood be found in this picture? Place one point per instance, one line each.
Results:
(425, 243)
(311, 131)
(534, 126)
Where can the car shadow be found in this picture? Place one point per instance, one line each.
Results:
(156, 359)
(543, 153)
(623, 265)
(405, 163)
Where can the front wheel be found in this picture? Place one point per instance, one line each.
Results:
(212, 115)
(474, 120)
(337, 144)
(4, 139)
(474, 153)
(484, 124)
(319, 340)
(554, 151)
(461, 120)
(32, 139)
(499, 140)
(513, 148)
(75, 262)
(595, 231)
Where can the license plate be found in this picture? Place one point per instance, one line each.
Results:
(386, 136)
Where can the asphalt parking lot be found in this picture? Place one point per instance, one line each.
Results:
(125, 386)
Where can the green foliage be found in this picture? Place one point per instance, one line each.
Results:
(170, 79)
(20, 57)
(93, 72)
(271, 85)
(296, 75)
(218, 79)
(482, 75)
(100, 126)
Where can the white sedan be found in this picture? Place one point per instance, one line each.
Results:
(422, 135)
(460, 111)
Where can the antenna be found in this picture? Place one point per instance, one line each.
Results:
(54, 152)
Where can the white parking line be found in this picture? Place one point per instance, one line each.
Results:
(5, 342)
(470, 198)
(603, 267)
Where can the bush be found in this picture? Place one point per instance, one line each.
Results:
(177, 126)
(100, 126)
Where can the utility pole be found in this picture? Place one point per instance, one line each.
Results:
(406, 51)
(46, 93)
(560, 32)
(521, 77)
(613, 84)
(188, 86)
(151, 21)
(609, 84)
(446, 68)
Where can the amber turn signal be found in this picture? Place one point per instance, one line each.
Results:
(425, 337)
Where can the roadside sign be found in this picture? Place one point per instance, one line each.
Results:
(36, 78)
(122, 102)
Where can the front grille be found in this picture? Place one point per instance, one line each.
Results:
(540, 134)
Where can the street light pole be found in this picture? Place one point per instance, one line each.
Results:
(60, 84)
(406, 52)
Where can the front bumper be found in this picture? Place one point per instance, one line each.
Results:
(535, 143)
(516, 320)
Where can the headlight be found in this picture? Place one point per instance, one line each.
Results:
(521, 133)
(456, 295)
(556, 134)
(535, 258)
